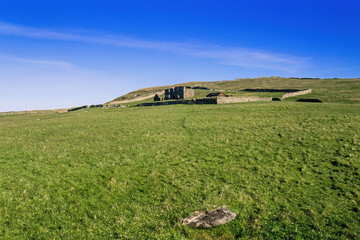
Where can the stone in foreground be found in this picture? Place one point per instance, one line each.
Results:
(210, 219)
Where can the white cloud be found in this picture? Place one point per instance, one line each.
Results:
(252, 58)
(236, 56)
(42, 62)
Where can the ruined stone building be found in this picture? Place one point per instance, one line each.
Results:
(157, 98)
(178, 93)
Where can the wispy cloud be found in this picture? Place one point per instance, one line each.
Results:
(252, 58)
(42, 62)
(237, 56)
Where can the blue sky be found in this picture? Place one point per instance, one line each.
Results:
(56, 54)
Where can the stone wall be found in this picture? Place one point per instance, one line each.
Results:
(77, 108)
(166, 103)
(206, 101)
(292, 94)
(85, 106)
(270, 90)
(222, 100)
(115, 105)
(96, 106)
(203, 88)
(188, 93)
(192, 101)
(217, 100)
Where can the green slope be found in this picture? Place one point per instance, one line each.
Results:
(328, 90)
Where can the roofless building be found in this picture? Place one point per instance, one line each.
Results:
(178, 93)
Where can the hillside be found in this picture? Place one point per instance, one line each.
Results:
(328, 90)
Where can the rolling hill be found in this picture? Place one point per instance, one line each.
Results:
(328, 90)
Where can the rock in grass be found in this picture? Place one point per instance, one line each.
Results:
(210, 219)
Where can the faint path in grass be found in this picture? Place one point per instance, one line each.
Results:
(189, 132)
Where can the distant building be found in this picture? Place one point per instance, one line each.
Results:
(216, 94)
(156, 98)
(178, 93)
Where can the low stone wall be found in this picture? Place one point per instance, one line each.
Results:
(191, 101)
(165, 103)
(203, 88)
(114, 105)
(77, 108)
(217, 100)
(292, 94)
(222, 100)
(85, 106)
(33, 112)
(270, 90)
(95, 106)
(206, 101)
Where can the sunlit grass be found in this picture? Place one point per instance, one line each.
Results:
(289, 170)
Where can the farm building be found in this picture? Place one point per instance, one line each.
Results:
(178, 93)
(216, 94)
(156, 98)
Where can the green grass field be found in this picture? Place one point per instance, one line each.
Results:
(288, 170)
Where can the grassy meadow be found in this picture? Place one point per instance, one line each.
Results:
(288, 170)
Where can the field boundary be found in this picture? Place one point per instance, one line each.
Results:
(293, 94)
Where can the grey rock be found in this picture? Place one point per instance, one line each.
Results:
(210, 219)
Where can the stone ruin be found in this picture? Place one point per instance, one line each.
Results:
(157, 98)
(178, 93)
